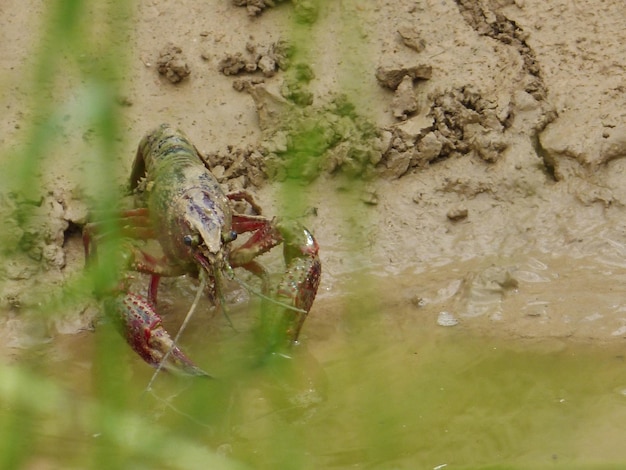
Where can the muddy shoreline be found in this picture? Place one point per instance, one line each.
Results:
(470, 152)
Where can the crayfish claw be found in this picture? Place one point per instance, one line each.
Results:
(296, 291)
(141, 326)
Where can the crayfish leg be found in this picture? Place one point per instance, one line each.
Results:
(247, 197)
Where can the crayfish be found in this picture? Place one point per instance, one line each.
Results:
(183, 208)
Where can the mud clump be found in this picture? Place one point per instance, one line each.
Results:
(457, 213)
(459, 122)
(401, 80)
(391, 77)
(411, 38)
(568, 157)
(255, 7)
(258, 58)
(238, 168)
(172, 64)
(464, 121)
(404, 103)
(306, 11)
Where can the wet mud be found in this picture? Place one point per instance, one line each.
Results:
(479, 130)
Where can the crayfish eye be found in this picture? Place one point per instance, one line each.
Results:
(191, 240)
(229, 237)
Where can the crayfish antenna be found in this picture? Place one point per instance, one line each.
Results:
(219, 289)
(253, 291)
(274, 328)
(173, 347)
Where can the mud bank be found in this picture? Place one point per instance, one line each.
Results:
(470, 152)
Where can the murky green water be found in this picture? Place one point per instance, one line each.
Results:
(374, 386)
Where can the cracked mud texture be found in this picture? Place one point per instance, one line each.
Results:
(505, 147)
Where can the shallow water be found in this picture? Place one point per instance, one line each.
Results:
(378, 382)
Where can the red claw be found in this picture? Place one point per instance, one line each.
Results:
(298, 287)
(138, 322)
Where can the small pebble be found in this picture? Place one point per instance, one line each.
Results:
(457, 213)
(417, 301)
(370, 197)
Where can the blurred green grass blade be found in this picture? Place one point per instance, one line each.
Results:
(127, 432)
(75, 73)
